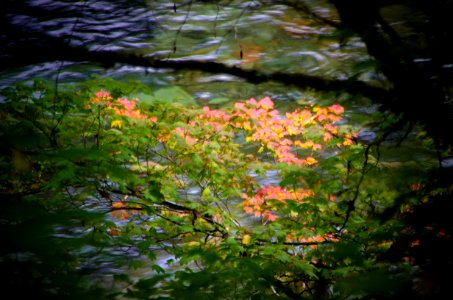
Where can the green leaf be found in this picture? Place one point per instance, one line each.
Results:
(218, 100)
(158, 269)
(174, 95)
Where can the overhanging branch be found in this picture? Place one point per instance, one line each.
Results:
(47, 48)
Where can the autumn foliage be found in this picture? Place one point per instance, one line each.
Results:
(292, 139)
(118, 107)
(276, 195)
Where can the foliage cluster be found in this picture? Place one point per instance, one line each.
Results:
(241, 203)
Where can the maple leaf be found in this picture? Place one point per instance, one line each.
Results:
(265, 103)
(336, 109)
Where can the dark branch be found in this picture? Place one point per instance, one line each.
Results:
(47, 49)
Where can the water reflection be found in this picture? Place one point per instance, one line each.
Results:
(200, 31)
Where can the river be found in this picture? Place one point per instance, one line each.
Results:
(244, 34)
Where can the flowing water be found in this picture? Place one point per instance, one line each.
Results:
(272, 38)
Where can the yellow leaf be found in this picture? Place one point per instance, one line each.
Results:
(206, 194)
(193, 244)
(246, 239)
(117, 123)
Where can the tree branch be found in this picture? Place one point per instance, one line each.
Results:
(47, 48)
